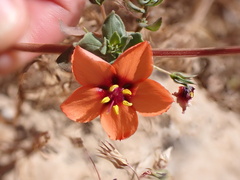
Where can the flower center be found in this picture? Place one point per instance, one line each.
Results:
(116, 96)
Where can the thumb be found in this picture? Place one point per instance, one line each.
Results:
(13, 22)
(43, 27)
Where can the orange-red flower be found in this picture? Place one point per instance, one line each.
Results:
(117, 91)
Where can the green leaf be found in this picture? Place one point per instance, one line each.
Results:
(181, 78)
(103, 48)
(157, 3)
(155, 26)
(143, 2)
(136, 38)
(143, 22)
(134, 7)
(64, 60)
(90, 43)
(124, 42)
(113, 23)
(150, 2)
(115, 39)
(161, 174)
(99, 2)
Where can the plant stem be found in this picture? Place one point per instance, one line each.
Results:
(161, 70)
(144, 15)
(103, 12)
(94, 166)
(201, 52)
(133, 171)
(41, 48)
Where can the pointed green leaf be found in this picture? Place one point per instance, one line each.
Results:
(183, 75)
(90, 43)
(161, 174)
(124, 42)
(113, 23)
(143, 2)
(180, 78)
(150, 2)
(103, 48)
(134, 7)
(154, 2)
(99, 2)
(155, 26)
(136, 38)
(157, 3)
(115, 39)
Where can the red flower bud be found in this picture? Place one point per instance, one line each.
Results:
(184, 95)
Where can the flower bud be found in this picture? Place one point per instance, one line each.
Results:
(184, 95)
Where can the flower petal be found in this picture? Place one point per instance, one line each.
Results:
(151, 98)
(90, 69)
(135, 64)
(119, 126)
(83, 105)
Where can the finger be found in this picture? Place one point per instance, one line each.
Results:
(44, 28)
(13, 22)
(46, 16)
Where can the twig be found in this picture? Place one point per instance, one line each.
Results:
(79, 143)
(200, 52)
(94, 166)
(144, 15)
(161, 70)
(138, 178)
(41, 48)
(103, 12)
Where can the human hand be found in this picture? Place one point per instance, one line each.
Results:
(35, 21)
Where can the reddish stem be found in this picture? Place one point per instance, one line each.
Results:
(59, 48)
(197, 52)
(41, 48)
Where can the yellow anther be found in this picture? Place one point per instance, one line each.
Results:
(105, 100)
(126, 103)
(191, 94)
(113, 87)
(116, 109)
(126, 92)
